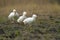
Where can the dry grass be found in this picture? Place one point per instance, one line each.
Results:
(32, 8)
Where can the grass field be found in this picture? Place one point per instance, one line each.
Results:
(47, 26)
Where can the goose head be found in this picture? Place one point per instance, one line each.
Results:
(14, 10)
(34, 16)
(24, 13)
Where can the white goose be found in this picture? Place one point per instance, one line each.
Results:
(12, 15)
(30, 20)
(21, 18)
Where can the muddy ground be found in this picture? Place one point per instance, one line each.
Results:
(43, 29)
